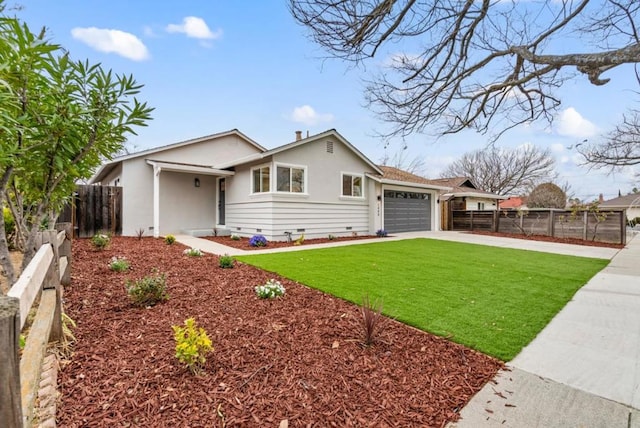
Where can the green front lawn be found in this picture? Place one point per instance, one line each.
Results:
(492, 299)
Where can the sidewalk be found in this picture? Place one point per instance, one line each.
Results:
(583, 369)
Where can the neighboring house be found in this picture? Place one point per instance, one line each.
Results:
(631, 203)
(318, 185)
(463, 196)
(514, 203)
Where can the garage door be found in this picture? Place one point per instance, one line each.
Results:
(406, 211)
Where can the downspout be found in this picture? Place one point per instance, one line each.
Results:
(156, 201)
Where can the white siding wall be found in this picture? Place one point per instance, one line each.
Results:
(489, 204)
(314, 219)
(320, 211)
(137, 197)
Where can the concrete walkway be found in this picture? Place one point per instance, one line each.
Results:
(582, 370)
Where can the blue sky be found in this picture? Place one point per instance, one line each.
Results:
(211, 66)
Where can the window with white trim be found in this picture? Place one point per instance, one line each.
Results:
(261, 179)
(480, 206)
(290, 179)
(352, 185)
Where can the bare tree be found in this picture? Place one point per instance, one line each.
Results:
(473, 63)
(547, 195)
(619, 148)
(505, 171)
(401, 161)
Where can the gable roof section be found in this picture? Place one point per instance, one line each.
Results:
(289, 146)
(107, 167)
(627, 201)
(456, 182)
(392, 175)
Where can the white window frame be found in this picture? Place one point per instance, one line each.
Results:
(291, 166)
(480, 206)
(352, 174)
(251, 183)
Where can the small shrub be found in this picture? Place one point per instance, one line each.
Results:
(149, 290)
(258, 241)
(140, 233)
(235, 237)
(331, 237)
(192, 252)
(169, 239)
(371, 319)
(381, 233)
(270, 289)
(119, 264)
(192, 345)
(300, 240)
(100, 241)
(226, 261)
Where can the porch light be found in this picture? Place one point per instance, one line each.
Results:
(196, 182)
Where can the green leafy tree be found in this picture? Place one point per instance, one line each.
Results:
(59, 119)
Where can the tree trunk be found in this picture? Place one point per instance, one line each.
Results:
(5, 261)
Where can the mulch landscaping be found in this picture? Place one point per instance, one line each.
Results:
(297, 358)
(243, 243)
(574, 241)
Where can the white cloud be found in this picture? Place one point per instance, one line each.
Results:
(572, 124)
(308, 116)
(557, 148)
(112, 41)
(195, 28)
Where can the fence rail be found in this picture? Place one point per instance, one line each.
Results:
(603, 226)
(46, 273)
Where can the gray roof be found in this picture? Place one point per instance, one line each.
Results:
(627, 201)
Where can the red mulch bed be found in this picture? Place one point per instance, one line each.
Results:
(545, 238)
(298, 358)
(243, 243)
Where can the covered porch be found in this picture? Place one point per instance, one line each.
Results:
(188, 198)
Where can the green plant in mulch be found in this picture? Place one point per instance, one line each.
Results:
(169, 239)
(119, 264)
(226, 261)
(192, 252)
(100, 241)
(148, 291)
(192, 345)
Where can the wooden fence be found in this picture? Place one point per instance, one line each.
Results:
(605, 226)
(94, 209)
(43, 276)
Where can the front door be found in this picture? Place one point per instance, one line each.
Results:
(221, 190)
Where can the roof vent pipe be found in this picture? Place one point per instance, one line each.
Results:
(298, 135)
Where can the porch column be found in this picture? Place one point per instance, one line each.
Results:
(156, 201)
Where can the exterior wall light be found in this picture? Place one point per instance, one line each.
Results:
(196, 182)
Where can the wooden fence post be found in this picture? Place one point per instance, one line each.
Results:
(52, 281)
(552, 220)
(10, 396)
(585, 222)
(65, 251)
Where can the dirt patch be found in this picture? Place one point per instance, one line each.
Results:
(243, 243)
(545, 238)
(297, 358)
(16, 260)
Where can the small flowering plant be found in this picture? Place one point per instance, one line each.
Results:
(270, 289)
(258, 241)
(100, 240)
(119, 264)
(235, 237)
(381, 233)
(192, 252)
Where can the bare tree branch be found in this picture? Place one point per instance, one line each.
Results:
(488, 65)
(619, 148)
(505, 171)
